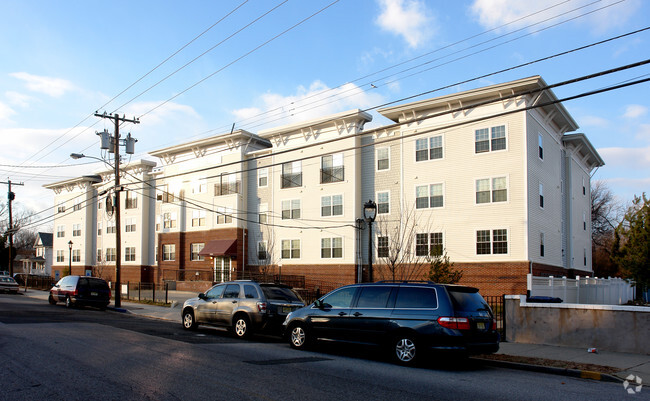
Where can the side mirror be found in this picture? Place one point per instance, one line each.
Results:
(201, 296)
(319, 304)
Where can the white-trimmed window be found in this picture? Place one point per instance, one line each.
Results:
(110, 254)
(110, 227)
(61, 207)
(262, 177)
(129, 254)
(224, 215)
(383, 202)
(60, 256)
(77, 204)
(131, 200)
(584, 221)
(383, 250)
(169, 252)
(491, 190)
(332, 169)
(331, 248)
(263, 213)
(99, 255)
(290, 249)
(199, 187)
(76, 230)
(428, 148)
(60, 231)
(291, 209)
(169, 219)
(262, 250)
(198, 218)
(541, 244)
(428, 244)
(540, 146)
(541, 195)
(584, 256)
(331, 205)
(76, 255)
(194, 251)
(429, 196)
(99, 228)
(130, 225)
(383, 159)
(291, 175)
(492, 242)
(490, 139)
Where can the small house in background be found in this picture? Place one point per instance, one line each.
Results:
(40, 263)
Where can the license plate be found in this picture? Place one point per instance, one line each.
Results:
(480, 326)
(285, 309)
(93, 294)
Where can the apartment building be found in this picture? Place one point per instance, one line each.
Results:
(489, 176)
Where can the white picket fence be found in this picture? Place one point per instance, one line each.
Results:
(583, 290)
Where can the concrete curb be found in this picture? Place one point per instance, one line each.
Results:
(580, 374)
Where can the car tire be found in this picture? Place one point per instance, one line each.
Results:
(68, 302)
(404, 350)
(241, 327)
(189, 323)
(51, 300)
(299, 337)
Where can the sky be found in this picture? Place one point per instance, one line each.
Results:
(191, 70)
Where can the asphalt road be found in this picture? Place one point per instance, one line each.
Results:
(53, 353)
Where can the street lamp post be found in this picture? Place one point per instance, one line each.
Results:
(370, 212)
(70, 258)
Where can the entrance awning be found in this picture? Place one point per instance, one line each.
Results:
(220, 247)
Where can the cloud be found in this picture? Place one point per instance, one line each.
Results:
(643, 133)
(494, 13)
(162, 114)
(18, 99)
(318, 100)
(5, 112)
(635, 111)
(55, 87)
(634, 159)
(407, 18)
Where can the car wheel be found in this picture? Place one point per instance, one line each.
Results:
(241, 327)
(299, 337)
(51, 300)
(405, 350)
(188, 320)
(68, 302)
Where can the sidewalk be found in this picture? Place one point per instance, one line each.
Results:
(537, 357)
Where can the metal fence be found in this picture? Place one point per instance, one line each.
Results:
(498, 306)
(34, 281)
(158, 293)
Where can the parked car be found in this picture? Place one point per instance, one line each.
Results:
(408, 318)
(81, 291)
(242, 306)
(8, 284)
(4, 273)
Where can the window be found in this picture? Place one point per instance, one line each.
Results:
(129, 254)
(224, 215)
(541, 245)
(332, 168)
(428, 244)
(194, 251)
(584, 188)
(331, 205)
(428, 148)
(584, 221)
(331, 247)
(491, 190)
(99, 205)
(110, 254)
(227, 185)
(250, 292)
(61, 208)
(60, 256)
(169, 252)
(383, 159)
(262, 253)
(162, 194)
(291, 175)
(76, 230)
(262, 177)
(131, 200)
(60, 231)
(99, 228)
(158, 223)
(374, 297)
(99, 255)
(584, 256)
(110, 227)
(497, 243)
(77, 204)
(169, 220)
(383, 202)
(199, 187)
(291, 209)
(263, 213)
(130, 225)
(428, 196)
(413, 297)
(382, 247)
(76, 255)
(541, 195)
(341, 298)
(541, 146)
(290, 249)
(490, 139)
(198, 218)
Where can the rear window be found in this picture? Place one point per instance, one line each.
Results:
(467, 301)
(280, 294)
(414, 297)
(96, 284)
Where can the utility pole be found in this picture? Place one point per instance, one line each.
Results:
(106, 141)
(10, 197)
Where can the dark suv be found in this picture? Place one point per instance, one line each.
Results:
(81, 291)
(243, 306)
(407, 317)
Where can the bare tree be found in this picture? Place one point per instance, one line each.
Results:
(266, 254)
(605, 214)
(399, 256)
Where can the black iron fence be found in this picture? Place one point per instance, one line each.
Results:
(34, 281)
(498, 306)
(157, 293)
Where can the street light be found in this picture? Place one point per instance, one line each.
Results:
(70, 259)
(370, 212)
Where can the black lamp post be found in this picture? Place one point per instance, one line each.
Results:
(70, 259)
(370, 212)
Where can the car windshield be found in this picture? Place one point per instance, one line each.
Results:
(468, 300)
(273, 293)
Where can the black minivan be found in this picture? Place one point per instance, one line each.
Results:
(409, 318)
(81, 291)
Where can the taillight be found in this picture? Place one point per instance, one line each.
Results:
(494, 324)
(261, 307)
(456, 323)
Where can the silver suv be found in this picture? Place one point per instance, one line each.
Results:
(243, 306)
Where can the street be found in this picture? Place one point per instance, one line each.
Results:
(54, 353)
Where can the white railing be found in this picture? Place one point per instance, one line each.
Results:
(583, 290)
